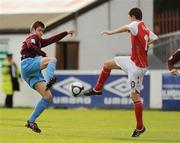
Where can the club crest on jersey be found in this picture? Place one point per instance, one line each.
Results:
(33, 41)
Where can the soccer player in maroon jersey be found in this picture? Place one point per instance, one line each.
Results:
(173, 60)
(33, 60)
(135, 65)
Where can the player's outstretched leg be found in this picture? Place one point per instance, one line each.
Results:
(33, 126)
(105, 72)
(50, 78)
(50, 64)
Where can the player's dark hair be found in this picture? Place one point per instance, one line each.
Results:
(36, 25)
(136, 12)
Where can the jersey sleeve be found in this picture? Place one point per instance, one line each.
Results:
(173, 59)
(152, 36)
(133, 27)
(53, 39)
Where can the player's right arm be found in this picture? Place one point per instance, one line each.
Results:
(172, 60)
(32, 44)
(115, 31)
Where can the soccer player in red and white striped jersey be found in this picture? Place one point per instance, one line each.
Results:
(135, 65)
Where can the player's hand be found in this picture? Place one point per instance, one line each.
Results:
(174, 72)
(106, 32)
(71, 32)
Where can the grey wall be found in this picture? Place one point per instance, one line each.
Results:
(95, 48)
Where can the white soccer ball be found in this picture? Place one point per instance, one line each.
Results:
(76, 88)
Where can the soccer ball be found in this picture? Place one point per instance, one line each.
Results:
(76, 88)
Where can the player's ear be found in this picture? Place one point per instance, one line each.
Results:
(33, 30)
(133, 17)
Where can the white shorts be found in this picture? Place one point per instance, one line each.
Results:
(135, 73)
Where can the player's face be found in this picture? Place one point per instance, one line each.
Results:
(39, 31)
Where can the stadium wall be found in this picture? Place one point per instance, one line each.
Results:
(28, 97)
(88, 26)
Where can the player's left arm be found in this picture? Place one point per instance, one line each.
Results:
(115, 31)
(55, 38)
(152, 38)
(173, 60)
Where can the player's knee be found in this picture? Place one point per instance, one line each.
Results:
(53, 59)
(107, 65)
(135, 96)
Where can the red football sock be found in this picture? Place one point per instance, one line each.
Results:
(105, 72)
(138, 111)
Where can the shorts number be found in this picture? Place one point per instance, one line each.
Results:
(132, 84)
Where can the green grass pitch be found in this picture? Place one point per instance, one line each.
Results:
(88, 126)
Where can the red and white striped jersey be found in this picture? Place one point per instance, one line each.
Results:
(140, 36)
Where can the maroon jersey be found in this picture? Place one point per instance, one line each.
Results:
(32, 45)
(173, 59)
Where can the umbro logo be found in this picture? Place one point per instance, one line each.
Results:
(63, 86)
(119, 87)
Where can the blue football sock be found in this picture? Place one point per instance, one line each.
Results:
(40, 107)
(51, 67)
